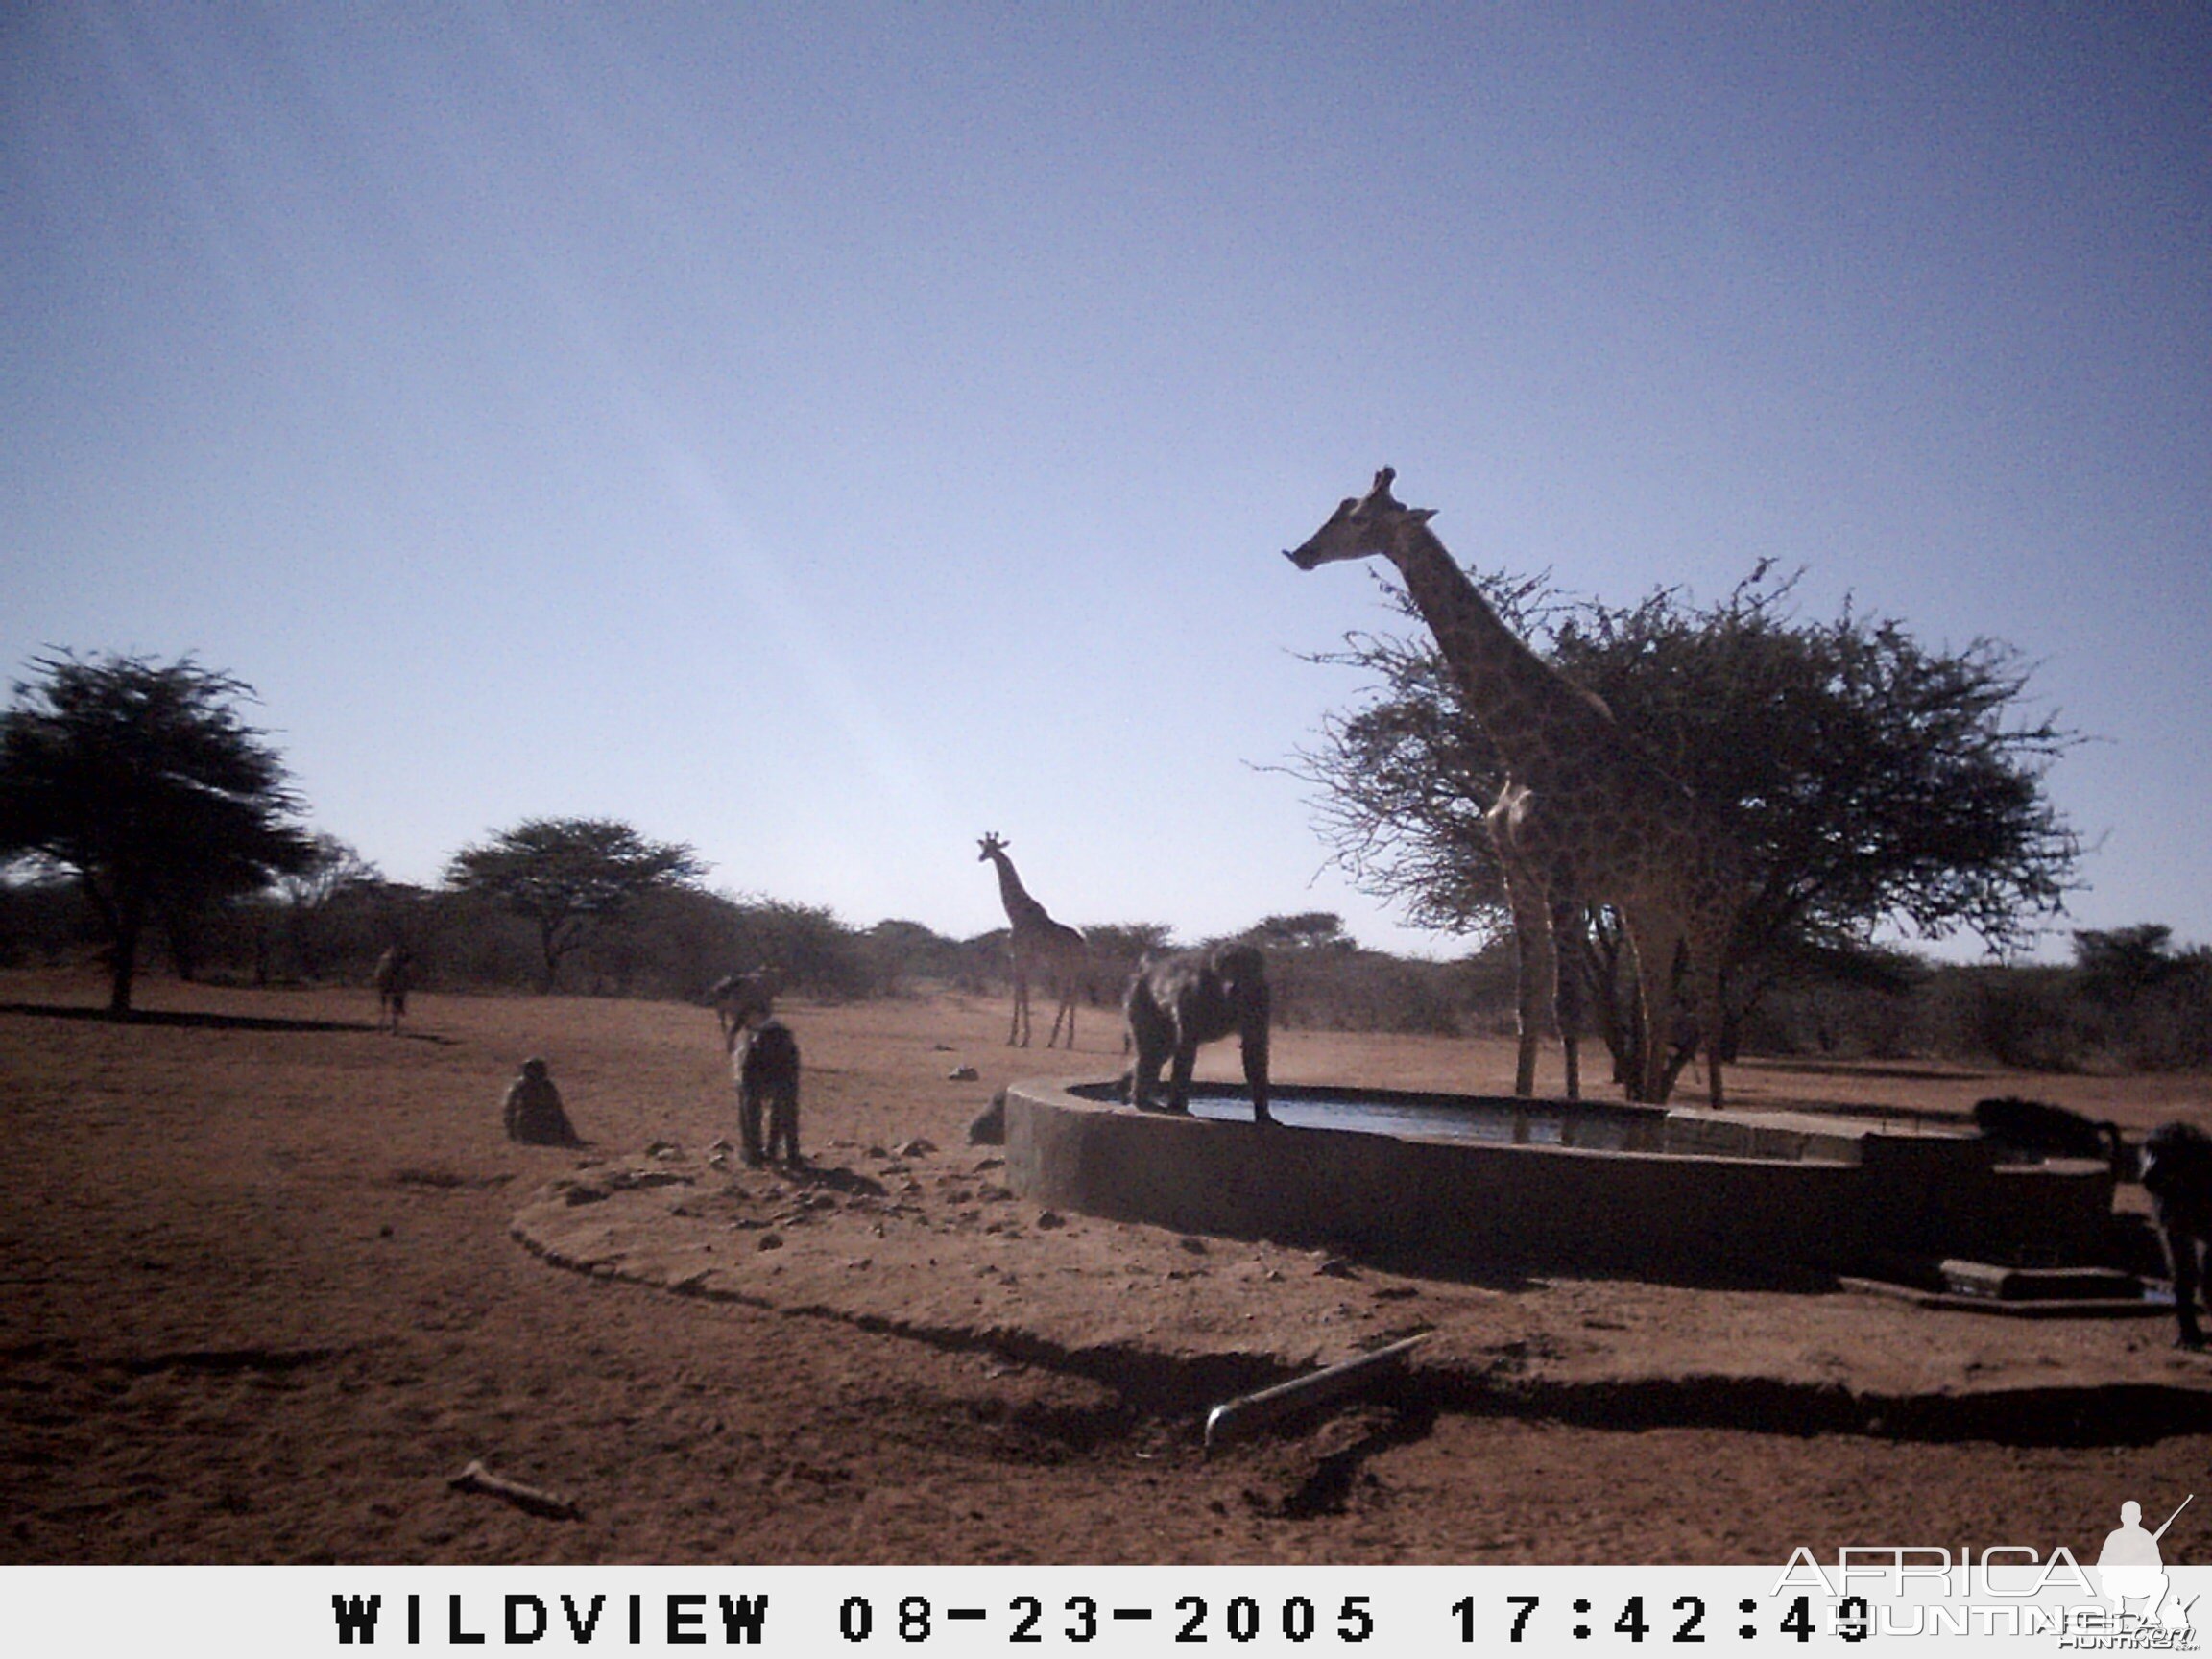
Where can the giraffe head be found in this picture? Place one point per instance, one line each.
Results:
(1361, 527)
(991, 843)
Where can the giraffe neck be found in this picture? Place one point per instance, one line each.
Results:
(1023, 911)
(1525, 705)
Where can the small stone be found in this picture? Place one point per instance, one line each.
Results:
(771, 1240)
(1051, 1219)
(962, 1074)
(918, 1148)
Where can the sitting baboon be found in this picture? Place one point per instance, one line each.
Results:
(1190, 997)
(766, 1068)
(394, 969)
(2049, 1131)
(740, 999)
(2177, 1171)
(534, 1112)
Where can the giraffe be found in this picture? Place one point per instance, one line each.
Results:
(1037, 942)
(1584, 816)
(742, 1000)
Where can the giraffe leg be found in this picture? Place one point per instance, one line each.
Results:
(1066, 1010)
(1538, 974)
(1655, 940)
(1568, 942)
(1706, 948)
(1017, 1033)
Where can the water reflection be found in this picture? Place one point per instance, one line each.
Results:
(1541, 1124)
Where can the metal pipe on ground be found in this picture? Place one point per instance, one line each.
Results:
(1234, 1418)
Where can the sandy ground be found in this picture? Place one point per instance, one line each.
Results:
(268, 1279)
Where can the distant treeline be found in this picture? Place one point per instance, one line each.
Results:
(2130, 1000)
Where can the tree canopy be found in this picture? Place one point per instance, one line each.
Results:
(140, 780)
(1874, 780)
(570, 875)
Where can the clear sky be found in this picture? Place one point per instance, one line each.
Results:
(822, 434)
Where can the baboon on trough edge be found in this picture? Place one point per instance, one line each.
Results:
(1195, 997)
(2049, 1131)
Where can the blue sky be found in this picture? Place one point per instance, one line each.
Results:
(823, 434)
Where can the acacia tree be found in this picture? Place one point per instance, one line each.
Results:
(334, 873)
(1872, 779)
(141, 781)
(570, 875)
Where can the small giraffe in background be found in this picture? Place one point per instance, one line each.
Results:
(394, 971)
(743, 1000)
(1037, 945)
(1585, 815)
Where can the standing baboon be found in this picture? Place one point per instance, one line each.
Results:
(740, 999)
(394, 969)
(1191, 998)
(2177, 1171)
(766, 1068)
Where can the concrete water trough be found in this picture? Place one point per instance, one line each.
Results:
(1471, 1178)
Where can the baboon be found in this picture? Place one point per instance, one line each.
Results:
(394, 969)
(766, 1068)
(534, 1114)
(741, 999)
(2177, 1171)
(1190, 997)
(2050, 1131)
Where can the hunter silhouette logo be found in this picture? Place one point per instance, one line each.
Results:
(2130, 1569)
(2125, 1601)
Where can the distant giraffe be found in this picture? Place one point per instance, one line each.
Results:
(395, 969)
(1037, 944)
(1585, 815)
(743, 1000)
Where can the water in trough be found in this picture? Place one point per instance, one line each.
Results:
(1535, 1123)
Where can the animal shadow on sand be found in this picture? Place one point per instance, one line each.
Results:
(1500, 1268)
(835, 1177)
(177, 1019)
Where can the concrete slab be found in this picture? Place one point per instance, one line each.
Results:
(937, 1247)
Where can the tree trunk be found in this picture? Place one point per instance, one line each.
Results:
(123, 967)
(547, 944)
